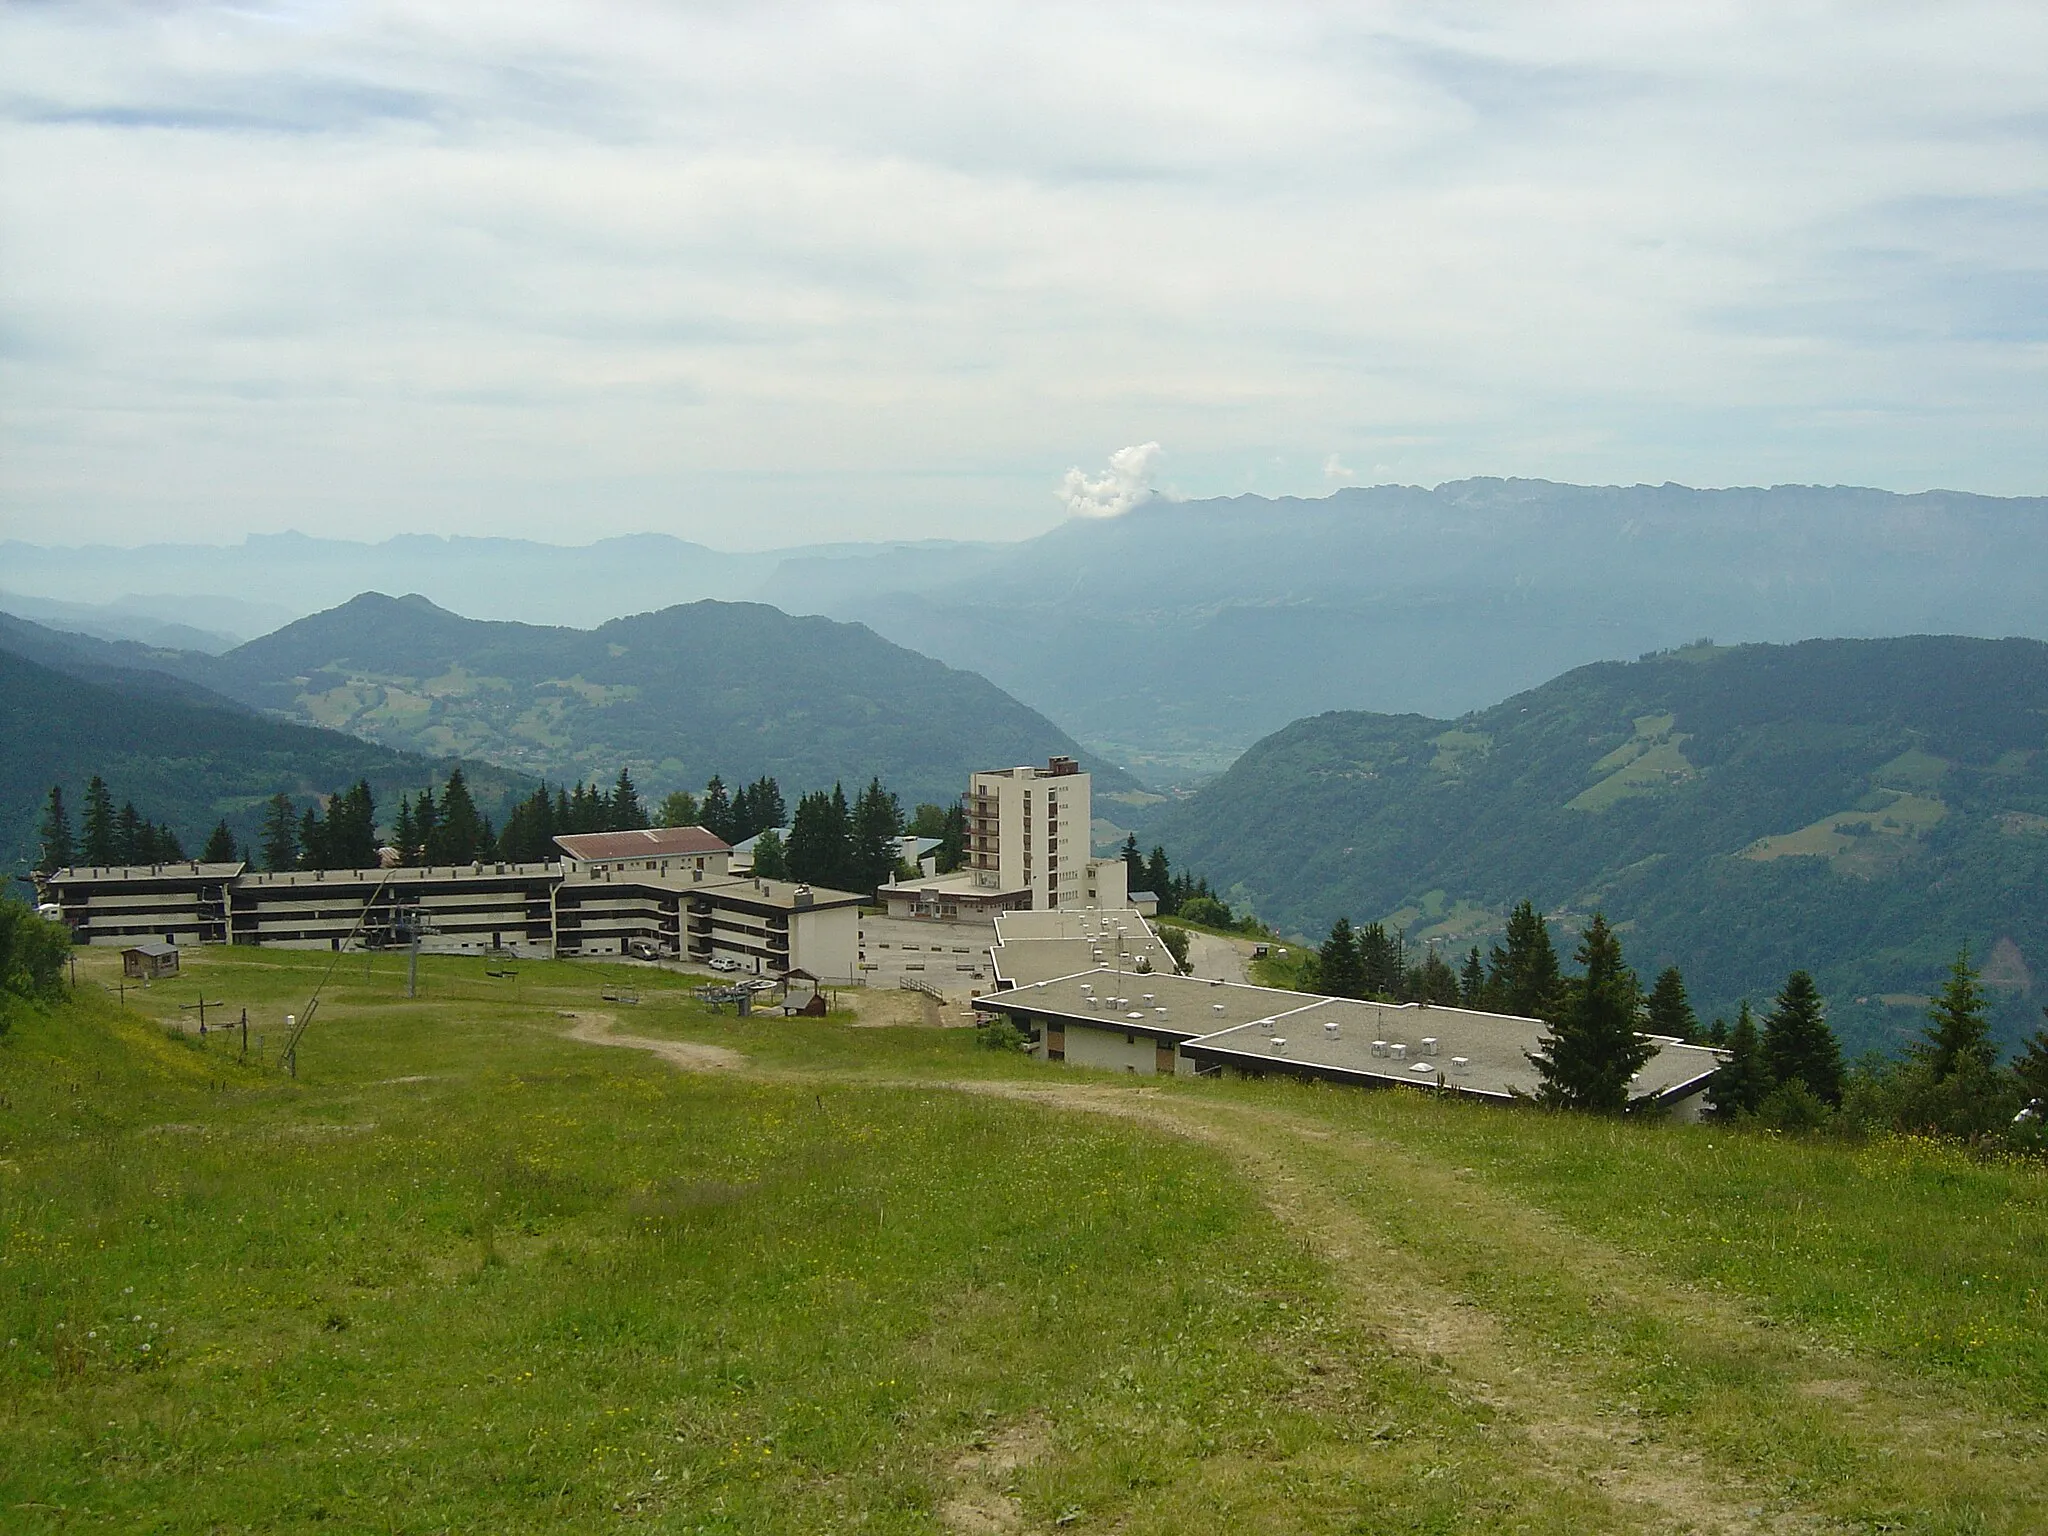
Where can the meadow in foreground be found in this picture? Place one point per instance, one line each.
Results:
(466, 1273)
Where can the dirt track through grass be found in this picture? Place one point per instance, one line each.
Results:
(1689, 1411)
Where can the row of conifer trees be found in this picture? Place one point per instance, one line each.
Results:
(1785, 1069)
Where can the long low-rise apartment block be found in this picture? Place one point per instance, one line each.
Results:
(662, 893)
(1106, 1011)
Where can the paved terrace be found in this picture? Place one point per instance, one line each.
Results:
(1036, 947)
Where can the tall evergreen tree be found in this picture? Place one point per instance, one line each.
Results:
(165, 847)
(876, 822)
(459, 835)
(1134, 863)
(771, 860)
(349, 838)
(313, 841)
(743, 824)
(770, 810)
(1669, 1011)
(1741, 1082)
(1798, 1046)
(128, 847)
(627, 813)
(97, 827)
(220, 844)
(1337, 962)
(1472, 981)
(817, 840)
(1382, 963)
(2031, 1065)
(529, 836)
(1433, 981)
(1957, 1038)
(55, 833)
(1594, 1046)
(678, 809)
(1159, 881)
(715, 815)
(953, 840)
(280, 845)
(1525, 977)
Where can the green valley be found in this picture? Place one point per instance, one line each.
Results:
(1860, 808)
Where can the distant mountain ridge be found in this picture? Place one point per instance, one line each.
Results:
(182, 755)
(1169, 639)
(739, 689)
(1858, 807)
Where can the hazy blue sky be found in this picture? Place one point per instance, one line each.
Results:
(761, 274)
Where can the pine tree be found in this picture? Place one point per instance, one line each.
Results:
(1382, 967)
(743, 824)
(678, 809)
(814, 841)
(459, 835)
(168, 849)
(953, 840)
(1798, 1046)
(627, 813)
(1434, 981)
(1525, 976)
(1159, 881)
(313, 841)
(769, 809)
(97, 826)
(349, 839)
(280, 834)
(1741, 1082)
(128, 835)
(220, 845)
(771, 860)
(2031, 1065)
(1472, 981)
(842, 875)
(877, 821)
(715, 815)
(1337, 962)
(1669, 1011)
(1134, 863)
(1957, 1037)
(1594, 1047)
(426, 822)
(55, 833)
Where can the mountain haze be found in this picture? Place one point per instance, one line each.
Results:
(1860, 808)
(1170, 638)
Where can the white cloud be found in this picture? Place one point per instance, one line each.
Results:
(1127, 483)
(760, 274)
(1337, 472)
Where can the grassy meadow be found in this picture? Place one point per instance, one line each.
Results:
(468, 1273)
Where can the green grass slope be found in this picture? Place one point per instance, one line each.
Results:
(470, 1273)
(739, 689)
(1857, 807)
(181, 755)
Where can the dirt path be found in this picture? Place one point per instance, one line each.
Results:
(1215, 959)
(602, 1029)
(1438, 1266)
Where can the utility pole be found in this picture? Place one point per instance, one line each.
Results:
(202, 1005)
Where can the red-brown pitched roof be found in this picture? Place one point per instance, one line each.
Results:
(654, 843)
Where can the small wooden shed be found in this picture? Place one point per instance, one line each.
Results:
(814, 1005)
(146, 962)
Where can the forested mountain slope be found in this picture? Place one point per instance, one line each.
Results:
(737, 689)
(180, 757)
(1857, 807)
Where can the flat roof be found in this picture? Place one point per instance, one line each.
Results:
(776, 895)
(648, 843)
(178, 869)
(1235, 1024)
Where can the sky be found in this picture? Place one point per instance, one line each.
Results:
(761, 274)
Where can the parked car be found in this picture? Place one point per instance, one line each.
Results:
(723, 964)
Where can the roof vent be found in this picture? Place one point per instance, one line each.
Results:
(1330, 1028)
(1429, 1045)
(1379, 1047)
(1461, 1066)
(1216, 1007)
(1278, 1045)
(1422, 1067)
(1398, 1052)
